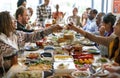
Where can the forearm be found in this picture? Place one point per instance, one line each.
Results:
(79, 31)
(101, 40)
(37, 35)
(47, 31)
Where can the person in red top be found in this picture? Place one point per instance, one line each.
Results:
(57, 15)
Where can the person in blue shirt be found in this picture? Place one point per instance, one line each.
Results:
(90, 21)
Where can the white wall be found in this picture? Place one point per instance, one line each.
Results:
(65, 5)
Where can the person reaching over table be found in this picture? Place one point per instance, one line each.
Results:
(106, 29)
(112, 42)
(108, 23)
(11, 39)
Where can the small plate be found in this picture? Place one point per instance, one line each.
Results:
(67, 67)
(93, 51)
(49, 48)
(60, 76)
(87, 43)
(46, 54)
(80, 74)
(31, 48)
(102, 60)
(102, 74)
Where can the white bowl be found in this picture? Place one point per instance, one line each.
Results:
(68, 67)
(80, 74)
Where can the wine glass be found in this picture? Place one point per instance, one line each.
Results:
(69, 20)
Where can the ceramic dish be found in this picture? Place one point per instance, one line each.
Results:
(87, 42)
(80, 74)
(48, 48)
(102, 74)
(46, 54)
(64, 67)
(31, 48)
(102, 60)
(61, 76)
(93, 51)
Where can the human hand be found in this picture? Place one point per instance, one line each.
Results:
(113, 75)
(56, 28)
(112, 69)
(102, 30)
(28, 26)
(71, 26)
(79, 30)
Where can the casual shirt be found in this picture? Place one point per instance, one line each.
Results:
(8, 46)
(57, 15)
(43, 12)
(22, 28)
(91, 26)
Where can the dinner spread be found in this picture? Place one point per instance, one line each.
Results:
(62, 55)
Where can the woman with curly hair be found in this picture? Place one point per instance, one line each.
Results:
(11, 39)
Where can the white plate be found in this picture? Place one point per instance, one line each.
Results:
(102, 60)
(68, 67)
(101, 74)
(80, 74)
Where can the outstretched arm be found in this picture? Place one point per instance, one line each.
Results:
(99, 39)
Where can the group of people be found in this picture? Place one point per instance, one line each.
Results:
(104, 29)
(13, 35)
(112, 42)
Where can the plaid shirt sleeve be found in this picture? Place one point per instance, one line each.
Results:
(38, 13)
(43, 12)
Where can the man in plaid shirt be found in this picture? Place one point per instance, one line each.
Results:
(43, 12)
